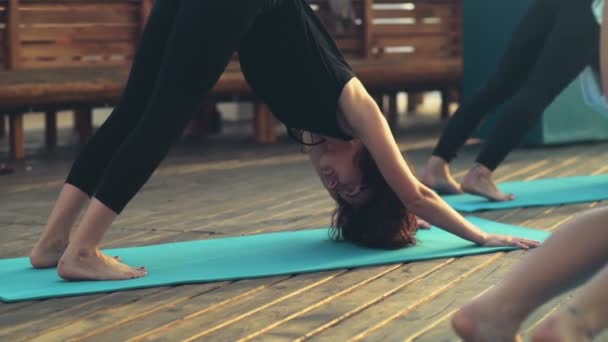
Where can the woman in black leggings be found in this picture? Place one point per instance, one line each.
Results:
(553, 43)
(295, 67)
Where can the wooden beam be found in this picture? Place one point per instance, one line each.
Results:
(13, 42)
(16, 136)
(50, 129)
(265, 125)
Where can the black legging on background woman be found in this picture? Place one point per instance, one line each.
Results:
(553, 43)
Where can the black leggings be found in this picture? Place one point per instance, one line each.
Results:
(553, 43)
(185, 47)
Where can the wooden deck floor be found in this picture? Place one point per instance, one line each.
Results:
(228, 186)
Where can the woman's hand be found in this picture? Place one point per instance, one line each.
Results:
(495, 240)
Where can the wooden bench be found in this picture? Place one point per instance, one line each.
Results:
(75, 54)
(71, 54)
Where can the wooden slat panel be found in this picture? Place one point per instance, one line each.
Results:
(13, 51)
(69, 63)
(405, 29)
(36, 51)
(79, 13)
(80, 33)
(436, 46)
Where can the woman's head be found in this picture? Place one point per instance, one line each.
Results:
(368, 211)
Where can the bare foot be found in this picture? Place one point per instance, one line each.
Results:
(563, 326)
(478, 181)
(436, 175)
(474, 323)
(94, 265)
(46, 254)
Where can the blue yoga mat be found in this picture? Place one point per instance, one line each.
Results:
(542, 192)
(243, 257)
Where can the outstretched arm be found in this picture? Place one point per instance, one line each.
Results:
(367, 123)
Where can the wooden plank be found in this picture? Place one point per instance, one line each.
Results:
(80, 49)
(74, 64)
(204, 322)
(343, 283)
(408, 325)
(74, 34)
(138, 320)
(435, 46)
(125, 13)
(404, 301)
(54, 313)
(16, 136)
(329, 314)
(13, 47)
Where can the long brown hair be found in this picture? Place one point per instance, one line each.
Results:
(382, 222)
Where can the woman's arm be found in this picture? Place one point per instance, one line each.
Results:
(368, 124)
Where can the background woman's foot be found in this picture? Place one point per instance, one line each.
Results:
(473, 323)
(562, 326)
(478, 181)
(94, 265)
(46, 254)
(436, 175)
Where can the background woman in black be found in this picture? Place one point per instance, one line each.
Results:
(295, 67)
(553, 43)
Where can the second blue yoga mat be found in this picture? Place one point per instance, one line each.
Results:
(541, 192)
(243, 257)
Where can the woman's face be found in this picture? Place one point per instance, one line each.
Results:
(339, 171)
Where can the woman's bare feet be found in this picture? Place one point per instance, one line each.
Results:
(478, 181)
(46, 253)
(563, 326)
(54, 240)
(94, 265)
(479, 321)
(436, 175)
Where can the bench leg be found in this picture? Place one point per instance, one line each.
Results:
(445, 104)
(84, 123)
(207, 120)
(393, 111)
(265, 130)
(2, 126)
(16, 136)
(50, 129)
(414, 99)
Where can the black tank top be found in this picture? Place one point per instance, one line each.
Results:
(295, 67)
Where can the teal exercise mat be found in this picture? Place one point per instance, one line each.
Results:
(243, 257)
(541, 192)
